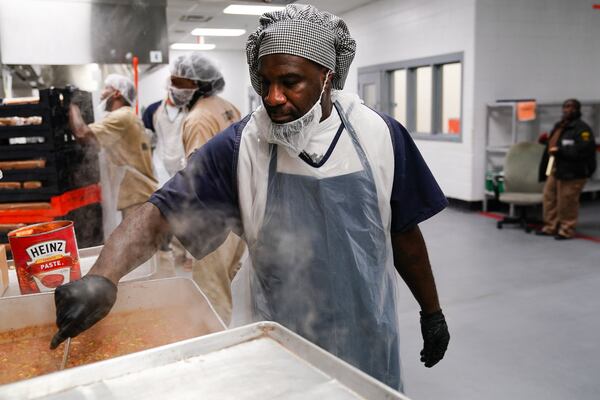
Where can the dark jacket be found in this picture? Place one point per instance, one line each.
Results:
(576, 156)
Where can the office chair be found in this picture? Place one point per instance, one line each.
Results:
(521, 186)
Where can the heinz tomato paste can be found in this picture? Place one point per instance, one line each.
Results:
(45, 256)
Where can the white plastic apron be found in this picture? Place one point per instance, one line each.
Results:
(320, 267)
(111, 177)
(169, 155)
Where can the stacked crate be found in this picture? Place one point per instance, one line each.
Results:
(47, 175)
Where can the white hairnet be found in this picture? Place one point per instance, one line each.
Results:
(195, 66)
(123, 84)
(303, 31)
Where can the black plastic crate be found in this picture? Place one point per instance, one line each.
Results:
(54, 101)
(53, 133)
(69, 169)
(29, 136)
(69, 165)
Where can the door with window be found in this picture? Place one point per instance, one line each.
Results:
(425, 95)
(369, 89)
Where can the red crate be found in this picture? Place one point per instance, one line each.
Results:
(59, 206)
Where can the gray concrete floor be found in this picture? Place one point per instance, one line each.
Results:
(523, 312)
(589, 218)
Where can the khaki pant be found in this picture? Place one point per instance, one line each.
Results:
(165, 265)
(561, 205)
(215, 272)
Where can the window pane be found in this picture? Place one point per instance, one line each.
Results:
(370, 94)
(451, 87)
(424, 82)
(399, 79)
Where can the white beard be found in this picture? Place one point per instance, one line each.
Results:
(294, 136)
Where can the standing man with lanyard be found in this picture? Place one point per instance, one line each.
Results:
(121, 134)
(569, 159)
(327, 194)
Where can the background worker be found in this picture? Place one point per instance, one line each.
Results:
(192, 112)
(327, 235)
(572, 148)
(197, 81)
(194, 85)
(165, 118)
(122, 136)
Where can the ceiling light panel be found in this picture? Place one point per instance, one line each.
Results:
(250, 10)
(193, 46)
(218, 32)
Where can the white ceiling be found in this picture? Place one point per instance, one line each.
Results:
(179, 31)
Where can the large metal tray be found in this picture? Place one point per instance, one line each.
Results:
(259, 361)
(182, 293)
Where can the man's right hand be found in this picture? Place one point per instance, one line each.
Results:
(80, 304)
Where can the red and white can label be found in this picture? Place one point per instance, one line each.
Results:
(45, 256)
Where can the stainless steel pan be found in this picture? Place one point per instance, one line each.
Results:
(258, 361)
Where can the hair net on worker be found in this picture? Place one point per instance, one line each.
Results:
(123, 84)
(304, 31)
(196, 67)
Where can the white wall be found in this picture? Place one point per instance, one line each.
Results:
(543, 49)
(391, 30)
(232, 64)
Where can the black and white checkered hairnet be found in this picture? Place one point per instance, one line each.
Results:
(302, 30)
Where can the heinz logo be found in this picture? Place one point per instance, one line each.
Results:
(46, 249)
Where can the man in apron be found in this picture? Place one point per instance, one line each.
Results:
(194, 84)
(122, 136)
(327, 193)
(209, 114)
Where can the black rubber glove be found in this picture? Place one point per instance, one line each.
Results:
(435, 337)
(80, 304)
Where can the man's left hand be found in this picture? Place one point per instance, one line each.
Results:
(435, 337)
(553, 149)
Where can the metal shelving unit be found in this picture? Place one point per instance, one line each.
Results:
(501, 132)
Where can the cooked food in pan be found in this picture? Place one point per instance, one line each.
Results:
(25, 353)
